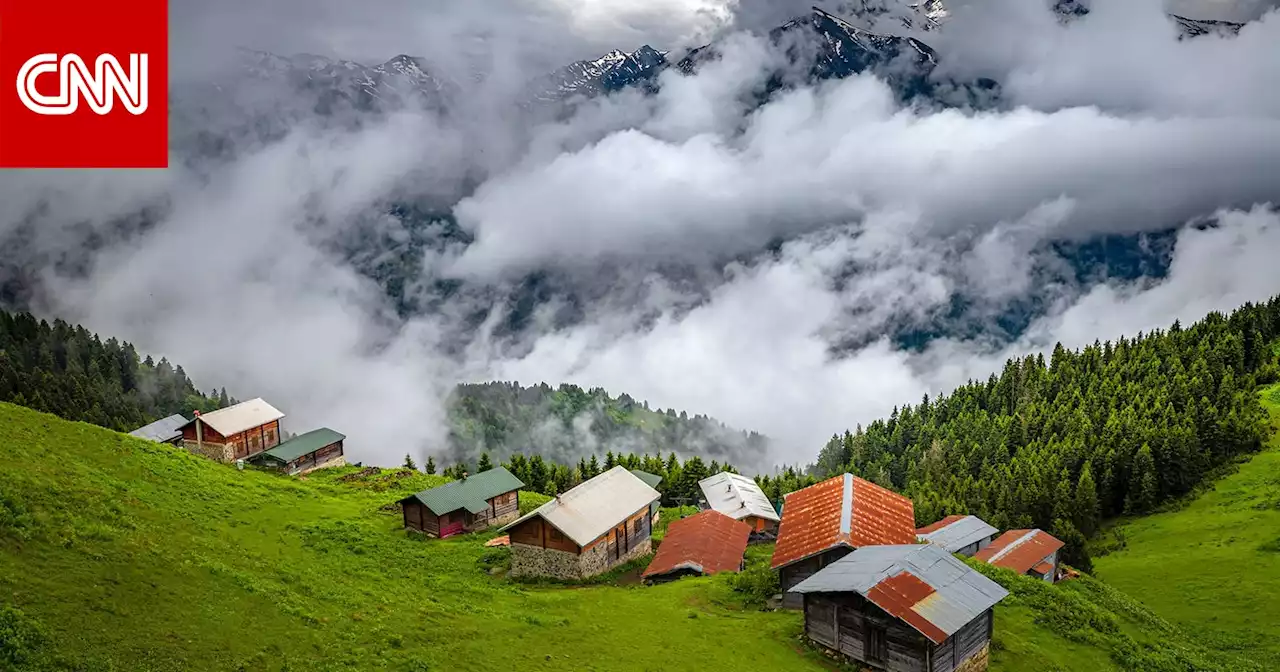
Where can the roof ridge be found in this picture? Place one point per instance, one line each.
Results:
(846, 507)
(1009, 548)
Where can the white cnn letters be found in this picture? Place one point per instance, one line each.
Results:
(100, 87)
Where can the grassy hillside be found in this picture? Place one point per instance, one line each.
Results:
(117, 554)
(1214, 564)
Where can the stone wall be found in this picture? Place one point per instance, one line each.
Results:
(978, 661)
(505, 518)
(339, 461)
(537, 561)
(214, 451)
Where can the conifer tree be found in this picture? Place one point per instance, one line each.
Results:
(1086, 502)
(431, 465)
(485, 464)
(409, 463)
(1142, 483)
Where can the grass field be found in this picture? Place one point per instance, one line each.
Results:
(122, 555)
(1213, 566)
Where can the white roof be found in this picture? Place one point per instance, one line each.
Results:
(594, 507)
(955, 536)
(242, 416)
(736, 496)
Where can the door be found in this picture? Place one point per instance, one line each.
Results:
(620, 548)
(875, 644)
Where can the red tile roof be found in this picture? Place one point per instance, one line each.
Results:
(898, 594)
(709, 542)
(1020, 550)
(842, 511)
(939, 525)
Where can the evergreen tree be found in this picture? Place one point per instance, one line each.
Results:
(1142, 483)
(1086, 502)
(593, 468)
(485, 464)
(431, 465)
(409, 463)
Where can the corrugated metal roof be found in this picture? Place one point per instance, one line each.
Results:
(242, 416)
(707, 542)
(961, 531)
(591, 509)
(162, 430)
(842, 511)
(651, 480)
(933, 527)
(736, 496)
(1020, 550)
(303, 444)
(471, 494)
(957, 594)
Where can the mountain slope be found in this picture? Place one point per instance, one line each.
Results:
(168, 561)
(1218, 557)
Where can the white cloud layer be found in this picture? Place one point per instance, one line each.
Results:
(891, 216)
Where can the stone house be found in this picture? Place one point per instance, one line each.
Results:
(234, 432)
(825, 521)
(304, 453)
(585, 531)
(907, 608)
(468, 504)
(1030, 552)
(963, 535)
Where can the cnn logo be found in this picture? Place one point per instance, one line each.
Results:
(100, 88)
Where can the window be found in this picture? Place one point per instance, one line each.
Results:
(637, 525)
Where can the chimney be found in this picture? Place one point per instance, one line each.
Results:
(199, 434)
(464, 476)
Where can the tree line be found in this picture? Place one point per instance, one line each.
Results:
(68, 371)
(1110, 429)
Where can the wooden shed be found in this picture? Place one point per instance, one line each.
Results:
(466, 505)
(1031, 552)
(164, 430)
(741, 498)
(234, 432)
(908, 608)
(307, 452)
(963, 535)
(823, 522)
(707, 542)
(601, 523)
(651, 480)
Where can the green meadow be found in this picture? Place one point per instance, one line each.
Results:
(119, 554)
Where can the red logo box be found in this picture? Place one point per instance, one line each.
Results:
(84, 84)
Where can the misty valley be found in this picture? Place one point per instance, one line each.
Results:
(877, 335)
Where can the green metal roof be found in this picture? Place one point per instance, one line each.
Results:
(651, 480)
(303, 444)
(471, 494)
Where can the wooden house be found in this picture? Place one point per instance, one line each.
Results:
(307, 452)
(910, 608)
(651, 480)
(601, 523)
(1031, 552)
(963, 535)
(742, 499)
(465, 505)
(234, 432)
(164, 430)
(823, 522)
(707, 542)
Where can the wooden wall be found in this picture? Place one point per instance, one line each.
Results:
(243, 444)
(964, 644)
(858, 629)
(419, 517)
(538, 532)
(791, 575)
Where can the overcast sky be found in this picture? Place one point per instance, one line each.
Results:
(1115, 126)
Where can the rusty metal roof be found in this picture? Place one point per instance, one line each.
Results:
(707, 542)
(934, 527)
(955, 532)
(1020, 550)
(842, 511)
(922, 584)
